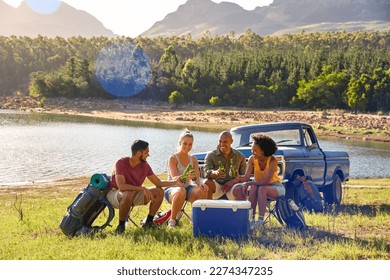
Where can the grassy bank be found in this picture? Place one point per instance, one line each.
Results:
(30, 217)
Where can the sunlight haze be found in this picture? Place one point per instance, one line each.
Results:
(131, 18)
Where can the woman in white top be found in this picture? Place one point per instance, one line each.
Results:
(193, 189)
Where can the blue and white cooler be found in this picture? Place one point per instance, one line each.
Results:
(224, 218)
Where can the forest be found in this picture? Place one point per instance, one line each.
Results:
(330, 70)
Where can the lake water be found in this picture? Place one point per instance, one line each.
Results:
(40, 147)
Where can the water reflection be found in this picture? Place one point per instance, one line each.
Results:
(34, 148)
(41, 147)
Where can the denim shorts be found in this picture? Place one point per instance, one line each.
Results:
(167, 191)
(278, 186)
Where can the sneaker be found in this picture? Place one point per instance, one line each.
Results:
(120, 229)
(256, 225)
(171, 223)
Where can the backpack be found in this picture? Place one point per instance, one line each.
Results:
(87, 206)
(162, 217)
(309, 196)
(290, 214)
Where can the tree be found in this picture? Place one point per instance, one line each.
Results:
(325, 91)
(176, 98)
(215, 101)
(168, 61)
(357, 93)
(381, 86)
(190, 74)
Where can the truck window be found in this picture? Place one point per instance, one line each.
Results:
(285, 137)
(308, 137)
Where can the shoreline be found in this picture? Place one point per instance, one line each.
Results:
(330, 123)
(78, 183)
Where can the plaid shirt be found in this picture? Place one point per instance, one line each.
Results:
(212, 162)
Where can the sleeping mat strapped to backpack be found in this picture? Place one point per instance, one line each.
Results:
(87, 206)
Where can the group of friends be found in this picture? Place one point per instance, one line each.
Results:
(225, 175)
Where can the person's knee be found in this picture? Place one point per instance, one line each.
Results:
(178, 194)
(237, 192)
(126, 197)
(211, 185)
(201, 194)
(158, 193)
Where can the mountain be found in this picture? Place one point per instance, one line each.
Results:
(282, 16)
(65, 22)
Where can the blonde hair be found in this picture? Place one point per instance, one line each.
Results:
(185, 133)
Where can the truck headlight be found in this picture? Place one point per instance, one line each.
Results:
(281, 166)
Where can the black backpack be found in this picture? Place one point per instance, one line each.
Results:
(290, 214)
(308, 195)
(87, 206)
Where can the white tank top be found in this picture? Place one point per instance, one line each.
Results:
(180, 167)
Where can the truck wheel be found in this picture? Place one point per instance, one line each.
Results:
(334, 192)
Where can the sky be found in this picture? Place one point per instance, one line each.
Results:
(126, 17)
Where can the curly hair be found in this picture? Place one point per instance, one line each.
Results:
(266, 143)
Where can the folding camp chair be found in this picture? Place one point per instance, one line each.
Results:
(183, 212)
(129, 219)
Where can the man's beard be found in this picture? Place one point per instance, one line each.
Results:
(141, 159)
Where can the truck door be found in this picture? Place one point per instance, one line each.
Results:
(315, 163)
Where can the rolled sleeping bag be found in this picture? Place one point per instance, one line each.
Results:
(100, 181)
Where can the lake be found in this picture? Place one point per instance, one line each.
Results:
(41, 147)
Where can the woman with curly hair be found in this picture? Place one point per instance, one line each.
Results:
(266, 183)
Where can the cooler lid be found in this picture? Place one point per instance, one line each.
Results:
(230, 204)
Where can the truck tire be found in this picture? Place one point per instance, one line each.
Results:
(334, 192)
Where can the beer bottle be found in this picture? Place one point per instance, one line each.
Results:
(233, 169)
(221, 167)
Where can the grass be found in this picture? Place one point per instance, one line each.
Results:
(356, 230)
(378, 182)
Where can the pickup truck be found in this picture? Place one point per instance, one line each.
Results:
(298, 154)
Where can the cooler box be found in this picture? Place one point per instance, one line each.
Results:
(225, 218)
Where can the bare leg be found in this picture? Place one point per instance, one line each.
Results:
(253, 198)
(125, 201)
(211, 185)
(237, 192)
(197, 193)
(265, 192)
(178, 196)
(158, 194)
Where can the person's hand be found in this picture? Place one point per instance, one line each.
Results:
(192, 176)
(220, 174)
(246, 187)
(227, 186)
(178, 182)
(148, 195)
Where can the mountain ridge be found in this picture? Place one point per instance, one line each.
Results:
(65, 22)
(195, 17)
